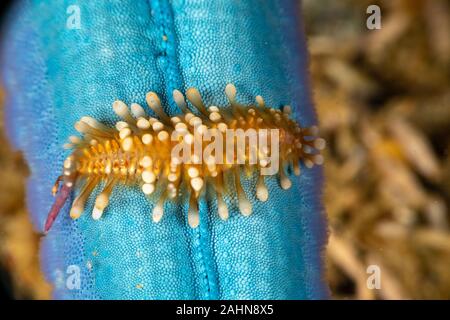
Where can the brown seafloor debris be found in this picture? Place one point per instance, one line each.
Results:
(19, 243)
(383, 101)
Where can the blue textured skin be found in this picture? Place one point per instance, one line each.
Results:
(54, 75)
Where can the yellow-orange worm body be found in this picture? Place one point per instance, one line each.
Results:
(140, 150)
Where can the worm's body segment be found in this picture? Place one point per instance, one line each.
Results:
(180, 156)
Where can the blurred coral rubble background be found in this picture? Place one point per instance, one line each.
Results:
(383, 101)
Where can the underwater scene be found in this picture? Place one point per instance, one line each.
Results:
(225, 150)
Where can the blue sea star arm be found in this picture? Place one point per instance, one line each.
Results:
(53, 75)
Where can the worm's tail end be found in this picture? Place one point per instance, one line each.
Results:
(56, 208)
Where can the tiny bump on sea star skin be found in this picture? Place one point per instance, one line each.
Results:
(141, 149)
